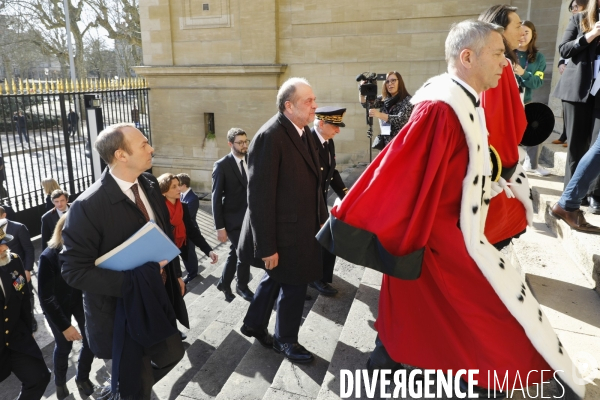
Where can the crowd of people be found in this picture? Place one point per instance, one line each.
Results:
(431, 234)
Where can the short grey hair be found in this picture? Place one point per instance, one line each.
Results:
(110, 140)
(287, 92)
(468, 34)
(233, 132)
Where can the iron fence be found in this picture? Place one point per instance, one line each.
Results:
(44, 133)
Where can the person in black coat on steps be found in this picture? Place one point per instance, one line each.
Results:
(60, 302)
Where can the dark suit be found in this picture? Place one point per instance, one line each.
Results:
(330, 178)
(99, 220)
(19, 352)
(285, 211)
(581, 109)
(229, 204)
(193, 203)
(49, 221)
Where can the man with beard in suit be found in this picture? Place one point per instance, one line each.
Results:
(104, 216)
(327, 124)
(285, 211)
(229, 203)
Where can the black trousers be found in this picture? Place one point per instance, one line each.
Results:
(582, 124)
(31, 371)
(158, 361)
(62, 349)
(233, 264)
(328, 265)
(290, 304)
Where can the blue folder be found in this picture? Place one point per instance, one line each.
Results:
(148, 244)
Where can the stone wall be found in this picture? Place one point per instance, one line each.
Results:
(230, 59)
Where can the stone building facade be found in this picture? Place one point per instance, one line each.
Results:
(216, 64)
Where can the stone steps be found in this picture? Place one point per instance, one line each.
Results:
(584, 249)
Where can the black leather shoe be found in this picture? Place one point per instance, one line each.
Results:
(294, 352)
(188, 278)
(34, 328)
(86, 387)
(183, 335)
(245, 293)
(594, 206)
(263, 337)
(229, 296)
(324, 288)
(62, 392)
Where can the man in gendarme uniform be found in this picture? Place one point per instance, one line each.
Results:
(19, 352)
(328, 121)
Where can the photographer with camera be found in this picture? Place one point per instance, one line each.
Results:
(394, 108)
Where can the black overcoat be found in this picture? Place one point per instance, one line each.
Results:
(330, 175)
(99, 220)
(285, 204)
(575, 83)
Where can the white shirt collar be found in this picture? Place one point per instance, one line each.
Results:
(125, 186)
(320, 137)
(183, 194)
(466, 86)
(300, 130)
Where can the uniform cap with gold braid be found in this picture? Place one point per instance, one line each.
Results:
(4, 237)
(331, 115)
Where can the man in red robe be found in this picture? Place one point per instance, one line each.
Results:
(448, 299)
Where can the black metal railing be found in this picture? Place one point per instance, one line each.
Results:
(44, 133)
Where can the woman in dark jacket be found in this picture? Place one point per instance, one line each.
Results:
(394, 106)
(60, 302)
(581, 102)
(184, 230)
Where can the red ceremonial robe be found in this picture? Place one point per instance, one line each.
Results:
(450, 317)
(506, 123)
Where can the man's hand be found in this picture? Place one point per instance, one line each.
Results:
(222, 235)
(28, 275)
(214, 257)
(181, 286)
(71, 334)
(163, 263)
(271, 261)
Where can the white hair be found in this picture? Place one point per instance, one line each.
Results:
(287, 91)
(468, 34)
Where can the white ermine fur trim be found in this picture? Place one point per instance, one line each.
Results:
(503, 277)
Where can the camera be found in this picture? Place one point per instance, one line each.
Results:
(369, 88)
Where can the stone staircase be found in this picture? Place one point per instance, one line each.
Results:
(222, 363)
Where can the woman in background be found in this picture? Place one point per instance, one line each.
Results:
(394, 106)
(529, 70)
(60, 302)
(49, 185)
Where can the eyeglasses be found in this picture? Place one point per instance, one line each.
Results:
(391, 81)
(242, 143)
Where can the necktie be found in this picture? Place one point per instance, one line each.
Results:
(304, 140)
(138, 201)
(326, 147)
(244, 176)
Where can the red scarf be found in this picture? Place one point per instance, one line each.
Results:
(176, 215)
